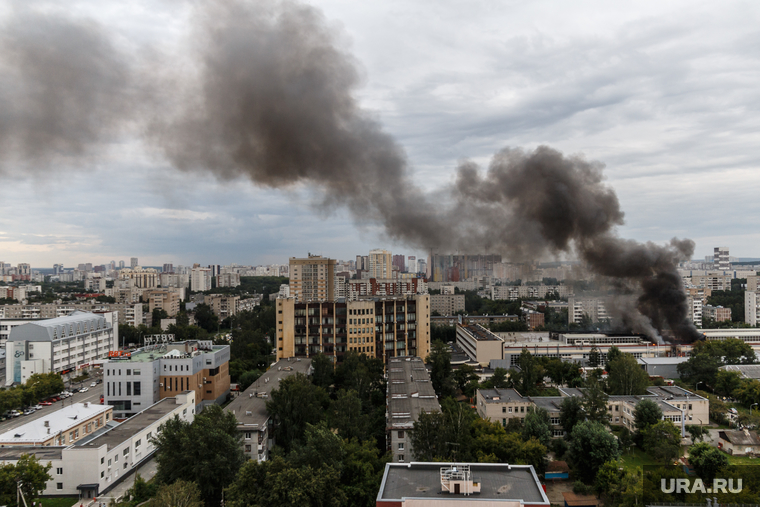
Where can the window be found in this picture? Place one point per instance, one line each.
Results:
(401, 434)
(109, 462)
(102, 460)
(137, 444)
(135, 372)
(59, 486)
(126, 451)
(247, 435)
(125, 465)
(129, 388)
(136, 388)
(248, 448)
(401, 446)
(59, 471)
(510, 410)
(102, 474)
(503, 410)
(129, 371)
(522, 409)
(401, 458)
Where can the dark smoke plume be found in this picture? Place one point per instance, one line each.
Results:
(270, 97)
(64, 88)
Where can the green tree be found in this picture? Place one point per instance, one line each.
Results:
(626, 376)
(594, 357)
(440, 369)
(464, 375)
(294, 404)
(246, 379)
(142, 490)
(538, 426)
(498, 379)
(707, 460)
(591, 447)
(278, 482)
(179, 494)
(347, 417)
(362, 472)
(612, 354)
(570, 414)
(595, 402)
(207, 452)
(206, 318)
(697, 433)
(727, 382)
(158, 314)
(323, 371)
(647, 413)
(662, 441)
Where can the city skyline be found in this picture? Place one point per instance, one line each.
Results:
(659, 93)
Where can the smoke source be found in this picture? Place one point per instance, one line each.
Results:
(271, 98)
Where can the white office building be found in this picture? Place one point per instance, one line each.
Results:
(59, 345)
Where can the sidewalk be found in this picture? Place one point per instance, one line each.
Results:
(146, 471)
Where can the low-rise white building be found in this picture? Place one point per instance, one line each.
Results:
(94, 464)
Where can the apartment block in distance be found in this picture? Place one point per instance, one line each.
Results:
(380, 264)
(136, 381)
(312, 278)
(223, 306)
(380, 327)
(446, 304)
(163, 299)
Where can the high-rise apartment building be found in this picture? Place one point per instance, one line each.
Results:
(168, 268)
(399, 261)
(720, 258)
(411, 265)
(133, 262)
(200, 279)
(455, 268)
(380, 264)
(380, 327)
(312, 278)
(167, 300)
(121, 264)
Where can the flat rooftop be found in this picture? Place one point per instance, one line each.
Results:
(250, 406)
(410, 392)
(498, 481)
(496, 395)
(59, 421)
(480, 333)
(746, 370)
(135, 424)
(42, 453)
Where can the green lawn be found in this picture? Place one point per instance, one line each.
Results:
(742, 460)
(66, 501)
(636, 459)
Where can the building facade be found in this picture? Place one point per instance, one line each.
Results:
(165, 300)
(312, 278)
(59, 345)
(380, 327)
(160, 371)
(380, 264)
(447, 304)
(200, 279)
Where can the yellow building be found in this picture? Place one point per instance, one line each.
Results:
(312, 279)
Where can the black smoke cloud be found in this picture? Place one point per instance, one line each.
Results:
(267, 93)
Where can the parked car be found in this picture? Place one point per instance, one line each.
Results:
(93, 384)
(75, 390)
(84, 389)
(29, 411)
(99, 381)
(16, 413)
(37, 407)
(46, 403)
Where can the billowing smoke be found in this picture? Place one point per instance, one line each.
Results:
(268, 94)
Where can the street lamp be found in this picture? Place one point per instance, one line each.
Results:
(750, 409)
(696, 386)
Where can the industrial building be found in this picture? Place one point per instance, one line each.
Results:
(480, 344)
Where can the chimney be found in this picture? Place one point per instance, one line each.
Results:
(47, 425)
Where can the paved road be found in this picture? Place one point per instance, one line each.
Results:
(92, 395)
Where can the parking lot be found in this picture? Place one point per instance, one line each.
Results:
(92, 395)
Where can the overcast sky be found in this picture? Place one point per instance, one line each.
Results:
(665, 94)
